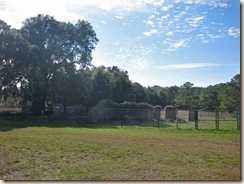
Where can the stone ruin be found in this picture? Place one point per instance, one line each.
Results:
(170, 112)
(106, 110)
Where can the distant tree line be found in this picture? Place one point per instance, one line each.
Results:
(47, 62)
(113, 83)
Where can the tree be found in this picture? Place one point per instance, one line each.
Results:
(13, 50)
(196, 97)
(153, 96)
(231, 94)
(139, 93)
(120, 84)
(111, 83)
(101, 88)
(39, 49)
(70, 88)
(171, 93)
(185, 96)
(210, 98)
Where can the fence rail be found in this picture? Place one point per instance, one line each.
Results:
(218, 117)
(196, 119)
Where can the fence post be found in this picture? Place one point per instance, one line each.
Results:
(238, 120)
(177, 120)
(196, 119)
(217, 119)
(158, 115)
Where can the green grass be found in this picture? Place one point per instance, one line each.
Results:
(38, 151)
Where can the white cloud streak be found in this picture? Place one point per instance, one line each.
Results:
(212, 3)
(119, 5)
(187, 66)
(118, 17)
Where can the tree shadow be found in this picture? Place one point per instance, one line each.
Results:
(16, 122)
(9, 123)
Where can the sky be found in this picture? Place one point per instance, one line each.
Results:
(159, 42)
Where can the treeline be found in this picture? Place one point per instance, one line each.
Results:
(89, 86)
(46, 62)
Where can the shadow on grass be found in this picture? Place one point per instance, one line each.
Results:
(8, 124)
(16, 122)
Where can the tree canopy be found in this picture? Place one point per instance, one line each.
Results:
(39, 52)
(231, 94)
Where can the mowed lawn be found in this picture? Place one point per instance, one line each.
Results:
(118, 153)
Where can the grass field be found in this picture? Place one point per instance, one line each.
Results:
(38, 151)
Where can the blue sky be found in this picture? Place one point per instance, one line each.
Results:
(159, 42)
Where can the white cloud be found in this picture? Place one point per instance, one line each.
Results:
(221, 4)
(118, 5)
(198, 18)
(154, 2)
(15, 12)
(109, 5)
(103, 22)
(165, 17)
(194, 21)
(233, 31)
(140, 64)
(132, 54)
(180, 15)
(170, 33)
(156, 13)
(166, 8)
(151, 32)
(205, 41)
(174, 45)
(178, 44)
(200, 35)
(118, 16)
(187, 66)
(212, 3)
(212, 36)
(202, 38)
(149, 22)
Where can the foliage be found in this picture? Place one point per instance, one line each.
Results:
(185, 96)
(108, 103)
(70, 88)
(140, 94)
(101, 85)
(231, 95)
(210, 98)
(43, 48)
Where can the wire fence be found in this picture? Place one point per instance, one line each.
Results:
(168, 119)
